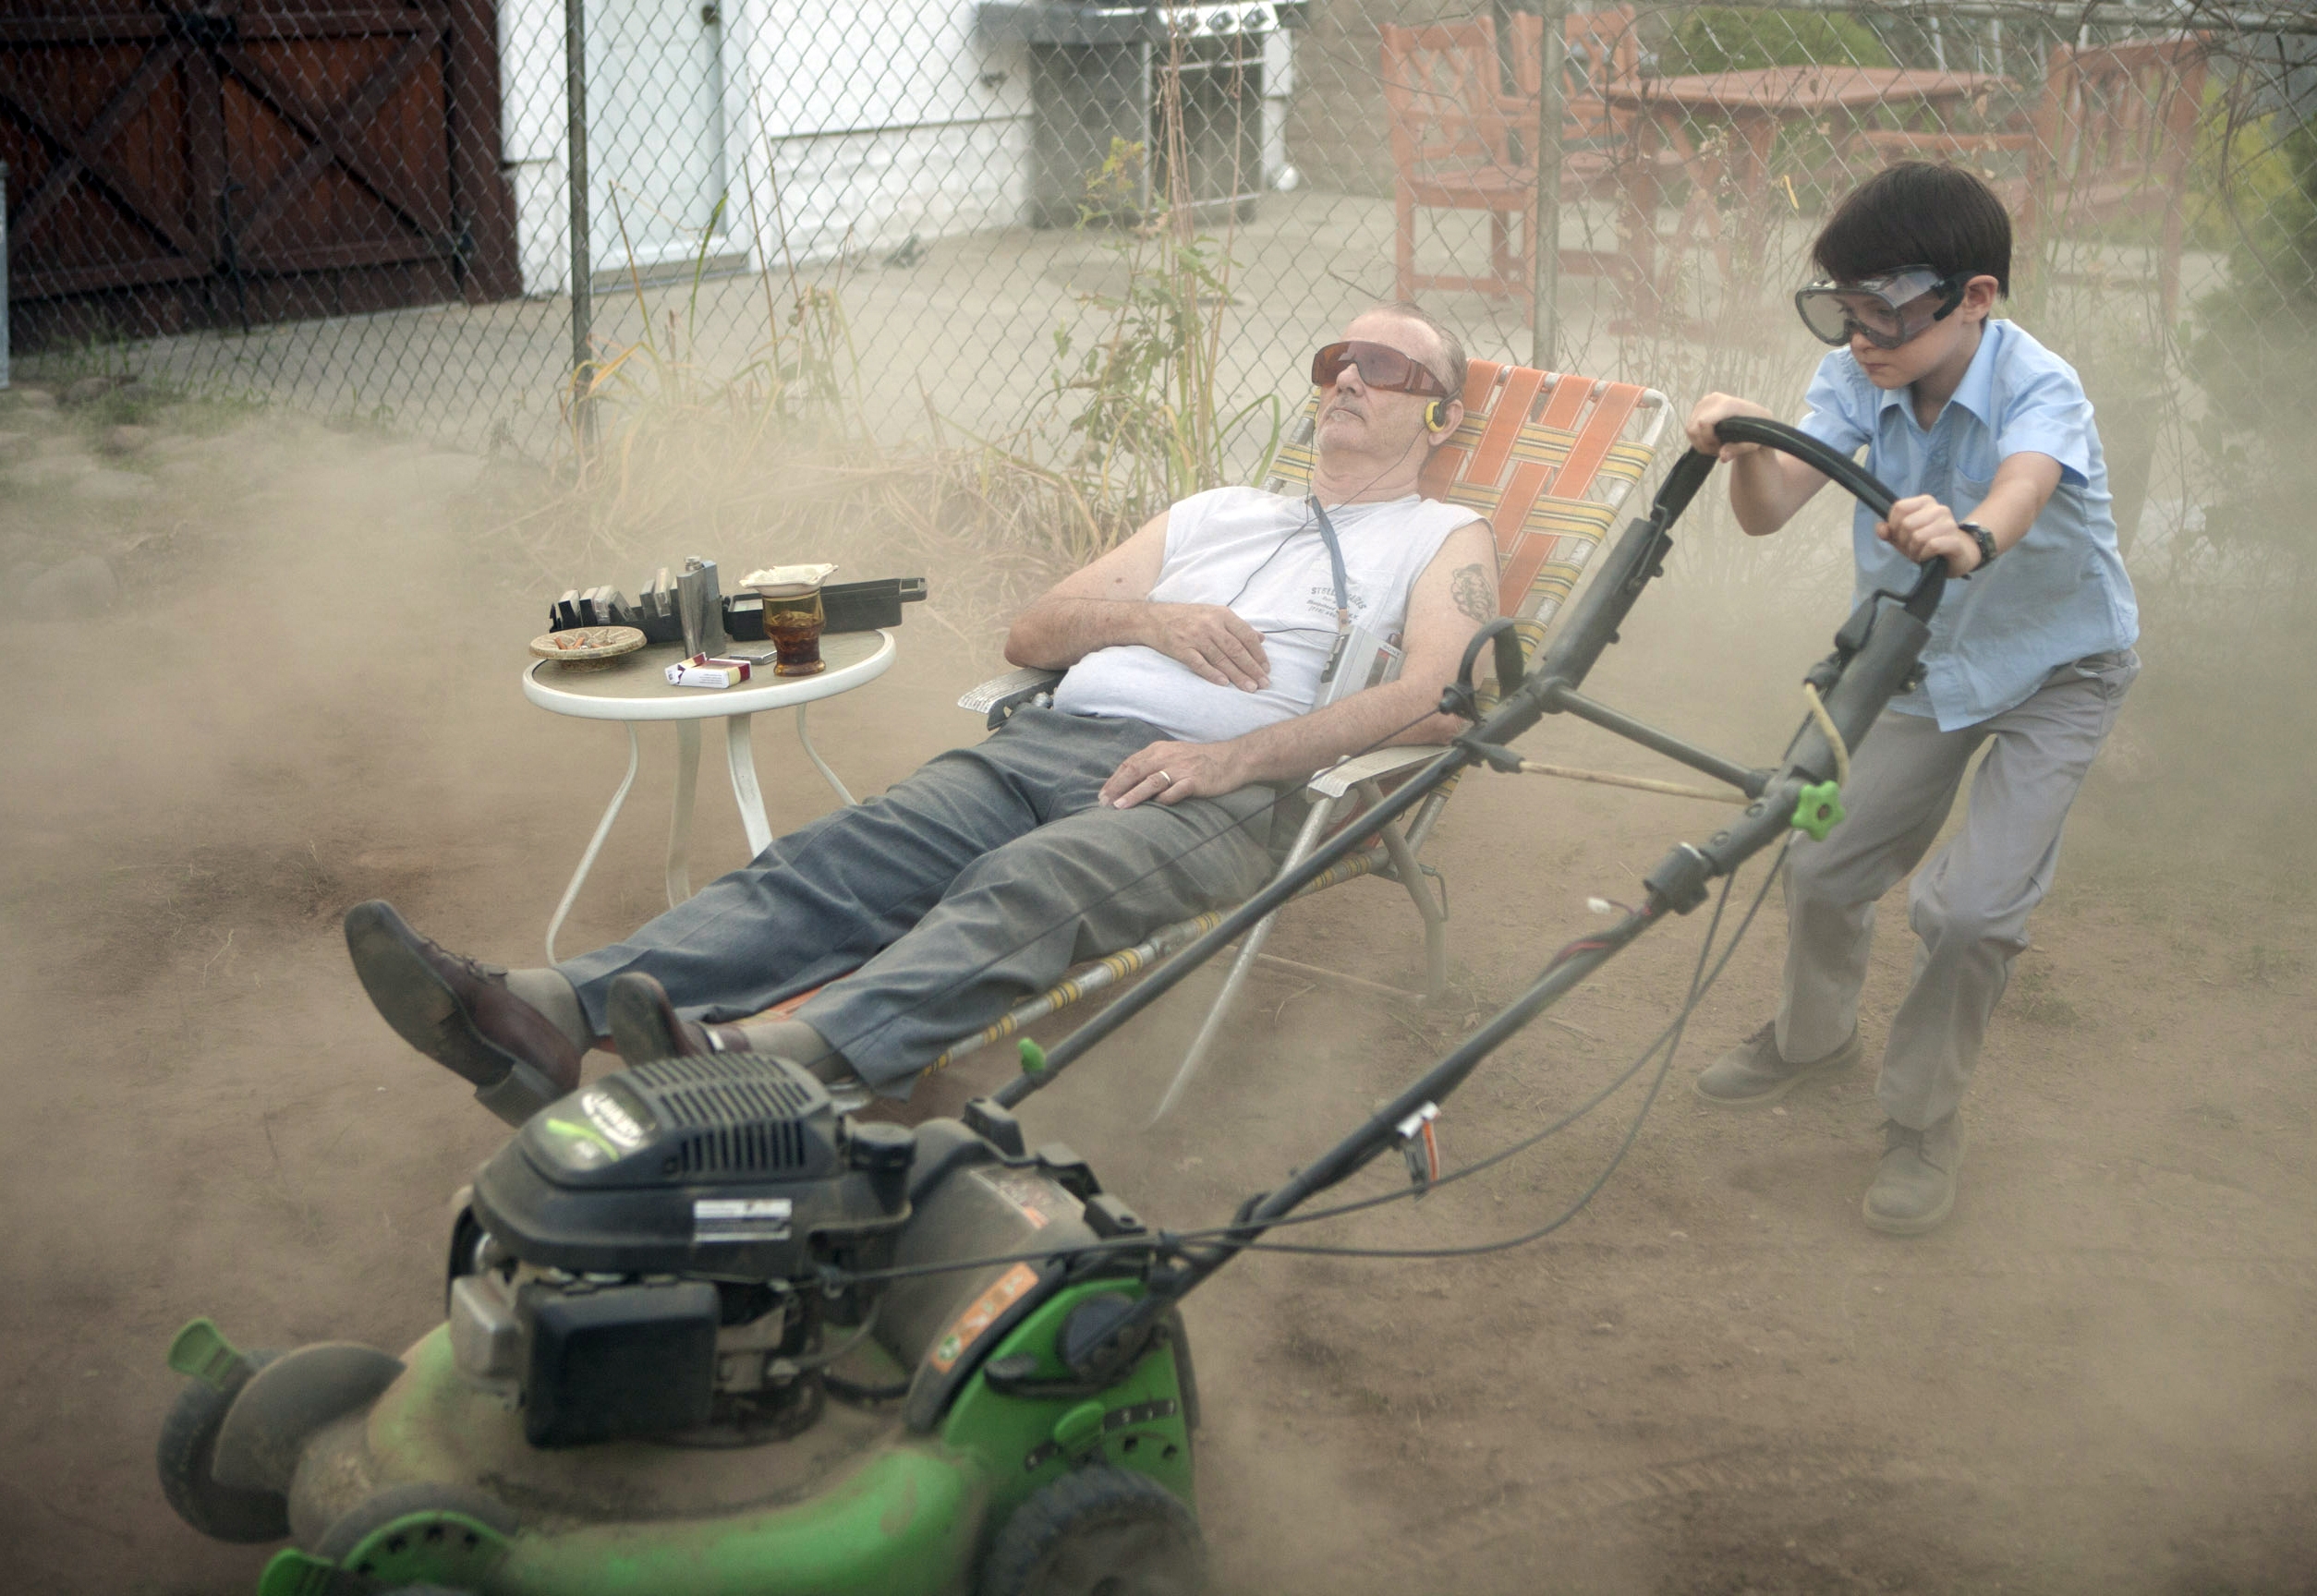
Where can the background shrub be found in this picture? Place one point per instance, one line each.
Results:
(1726, 39)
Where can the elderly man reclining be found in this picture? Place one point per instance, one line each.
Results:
(1194, 653)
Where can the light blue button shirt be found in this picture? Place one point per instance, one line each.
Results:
(2059, 593)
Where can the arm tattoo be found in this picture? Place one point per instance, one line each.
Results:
(1474, 594)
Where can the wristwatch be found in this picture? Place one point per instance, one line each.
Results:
(1984, 539)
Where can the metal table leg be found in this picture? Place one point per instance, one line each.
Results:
(804, 735)
(595, 844)
(740, 757)
(740, 761)
(688, 784)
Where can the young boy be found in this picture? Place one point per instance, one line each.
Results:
(1988, 439)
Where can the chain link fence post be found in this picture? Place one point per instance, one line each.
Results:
(582, 269)
(1545, 291)
(4, 274)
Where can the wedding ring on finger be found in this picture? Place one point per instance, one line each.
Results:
(1167, 779)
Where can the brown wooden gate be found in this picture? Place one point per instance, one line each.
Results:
(176, 165)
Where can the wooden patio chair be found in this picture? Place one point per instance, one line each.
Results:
(1453, 149)
(2111, 137)
(1601, 51)
(2115, 134)
(1460, 142)
(1546, 459)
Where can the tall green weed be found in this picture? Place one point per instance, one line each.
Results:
(1139, 400)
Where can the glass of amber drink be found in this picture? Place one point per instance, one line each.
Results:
(793, 620)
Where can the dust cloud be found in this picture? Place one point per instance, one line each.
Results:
(2098, 1376)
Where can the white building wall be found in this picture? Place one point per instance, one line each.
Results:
(849, 125)
(1279, 84)
(531, 124)
(853, 192)
(868, 121)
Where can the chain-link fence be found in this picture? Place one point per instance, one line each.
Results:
(1123, 228)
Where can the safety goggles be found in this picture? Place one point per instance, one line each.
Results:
(1885, 310)
(1381, 367)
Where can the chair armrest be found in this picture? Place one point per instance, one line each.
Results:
(1339, 779)
(1000, 696)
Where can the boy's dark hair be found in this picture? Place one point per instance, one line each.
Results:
(1918, 214)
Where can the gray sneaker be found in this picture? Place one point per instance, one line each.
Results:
(1914, 1188)
(1754, 1074)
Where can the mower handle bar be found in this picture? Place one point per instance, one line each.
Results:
(1847, 473)
(1875, 656)
(1854, 478)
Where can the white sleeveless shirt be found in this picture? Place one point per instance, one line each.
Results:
(1261, 554)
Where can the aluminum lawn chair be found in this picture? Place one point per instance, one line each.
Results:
(1545, 458)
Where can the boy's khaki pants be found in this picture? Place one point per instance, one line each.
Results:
(1969, 907)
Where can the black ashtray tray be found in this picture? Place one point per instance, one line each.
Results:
(844, 606)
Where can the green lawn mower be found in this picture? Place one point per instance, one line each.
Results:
(705, 1335)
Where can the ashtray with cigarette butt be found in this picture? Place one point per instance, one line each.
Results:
(588, 648)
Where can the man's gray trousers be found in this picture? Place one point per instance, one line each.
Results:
(969, 886)
(1969, 907)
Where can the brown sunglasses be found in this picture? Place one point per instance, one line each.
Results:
(1381, 367)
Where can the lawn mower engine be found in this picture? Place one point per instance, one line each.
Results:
(644, 1259)
(705, 1334)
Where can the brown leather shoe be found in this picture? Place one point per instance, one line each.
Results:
(460, 1014)
(1754, 1074)
(1914, 1185)
(644, 1025)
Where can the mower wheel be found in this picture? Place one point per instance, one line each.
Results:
(432, 1549)
(1099, 1531)
(189, 1442)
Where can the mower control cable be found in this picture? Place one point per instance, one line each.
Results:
(1668, 1040)
(1180, 1245)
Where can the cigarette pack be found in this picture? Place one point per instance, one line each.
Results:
(707, 670)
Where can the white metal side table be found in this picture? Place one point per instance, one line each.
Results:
(634, 689)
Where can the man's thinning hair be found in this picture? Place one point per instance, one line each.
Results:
(1452, 347)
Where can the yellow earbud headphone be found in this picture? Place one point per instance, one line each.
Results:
(1435, 415)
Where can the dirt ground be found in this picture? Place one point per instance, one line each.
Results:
(2099, 1376)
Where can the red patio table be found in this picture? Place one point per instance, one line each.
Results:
(1755, 103)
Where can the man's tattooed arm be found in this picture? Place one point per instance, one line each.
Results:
(1474, 593)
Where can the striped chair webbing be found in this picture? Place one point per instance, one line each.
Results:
(1531, 450)
(1291, 467)
(1547, 549)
